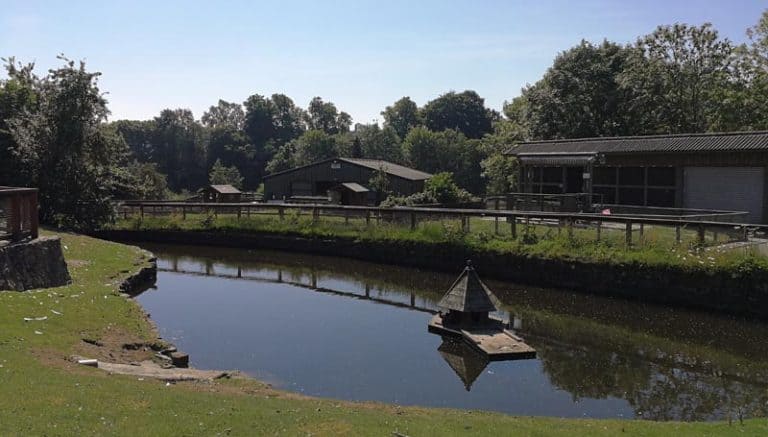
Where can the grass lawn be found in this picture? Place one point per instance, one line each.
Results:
(42, 393)
(656, 245)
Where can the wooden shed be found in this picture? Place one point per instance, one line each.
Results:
(346, 179)
(220, 194)
(711, 171)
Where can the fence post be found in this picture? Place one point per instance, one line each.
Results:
(14, 218)
(34, 220)
(183, 212)
(745, 233)
(141, 211)
(346, 217)
(367, 218)
(678, 234)
(413, 220)
(496, 223)
(701, 231)
(569, 227)
(239, 212)
(599, 229)
(513, 227)
(642, 232)
(628, 233)
(281, 212)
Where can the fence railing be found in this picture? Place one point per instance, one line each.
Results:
(18, 213)
(500, 222)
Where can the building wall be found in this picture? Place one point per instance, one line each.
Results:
(320, 177)
(654, 179)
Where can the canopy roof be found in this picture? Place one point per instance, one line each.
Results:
(225, 189)
(468, 294)
(354, 187)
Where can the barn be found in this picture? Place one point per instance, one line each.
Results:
(342, 180)
(713, 171)
(220, 193)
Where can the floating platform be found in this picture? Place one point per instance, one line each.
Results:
(491, 338)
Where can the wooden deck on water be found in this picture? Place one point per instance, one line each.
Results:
(493, 339)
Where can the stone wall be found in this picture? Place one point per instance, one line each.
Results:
(33, 264)
(728, 292)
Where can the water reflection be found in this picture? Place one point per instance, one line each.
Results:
(596, 357)
(465, 361)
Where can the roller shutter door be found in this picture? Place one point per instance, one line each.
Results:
(725, 188)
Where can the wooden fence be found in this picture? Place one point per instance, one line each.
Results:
(18, 213)
(512, 223)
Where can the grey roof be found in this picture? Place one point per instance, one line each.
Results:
(354, 186)
(391, 168)
(375, 164)
(225, 189)
(468, 294)
(683, 143)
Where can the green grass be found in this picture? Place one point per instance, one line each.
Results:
(656, 246)
(43, 395)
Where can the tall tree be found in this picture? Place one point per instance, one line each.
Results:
(314, 145)
(465, 112)
(223, 175)
(579, 96)
(181, 149)
(378, 143)
(402, 116)
(325, 117)
(60, 144)
(675, 76)
(224, 115)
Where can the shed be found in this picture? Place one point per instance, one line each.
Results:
(220, 193)
(319, 178)
(711, 171)
(350, 193)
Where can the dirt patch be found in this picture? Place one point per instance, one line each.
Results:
(117, 346)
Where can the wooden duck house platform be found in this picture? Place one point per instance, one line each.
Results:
(492, 339)
(464, 314)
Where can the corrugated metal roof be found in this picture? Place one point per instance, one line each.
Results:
(354, 186)
(391, 168)
(225, 189)
(576, 159)
(683, 143)
(468, 294)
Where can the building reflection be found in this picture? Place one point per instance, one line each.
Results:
(465, 361)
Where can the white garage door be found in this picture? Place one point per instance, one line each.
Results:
(725, 188)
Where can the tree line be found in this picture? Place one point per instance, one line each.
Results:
(54, 132)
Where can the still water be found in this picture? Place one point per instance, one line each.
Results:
(345, 329)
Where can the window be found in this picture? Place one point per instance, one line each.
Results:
(604, 176)
(631, 176)
(661, 176)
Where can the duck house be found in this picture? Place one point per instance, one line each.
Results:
(465, 314)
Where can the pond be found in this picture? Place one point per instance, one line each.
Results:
(345, 329)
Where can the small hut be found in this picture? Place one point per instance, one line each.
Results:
(468, 301)
(220, 193)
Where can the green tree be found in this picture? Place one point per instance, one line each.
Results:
(379, 183)
(464, 112)
(180, 149)
(224, 115)
(448, 150)
(223, 175)
(402, 116)
(314, 145)
(378, 143)
(324, 116)
(579, 96)
(499, 170)
(675, 76)
(61, 146)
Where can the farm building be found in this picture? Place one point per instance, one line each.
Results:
(713, 171)
(342, 180)
(220, 193)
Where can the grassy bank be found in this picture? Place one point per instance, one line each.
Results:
(656, 247)
(43, 394)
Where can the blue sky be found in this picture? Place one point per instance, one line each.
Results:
(361, 55)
